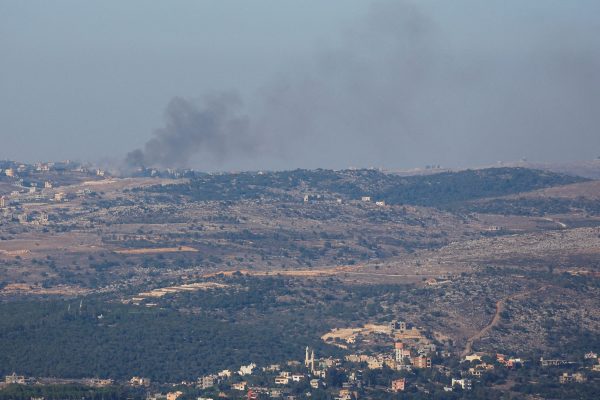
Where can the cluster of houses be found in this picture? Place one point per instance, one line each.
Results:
(311, 198)
(13, 169)
(312, 373)
(481, 367)
(406, 355)
(315, 372)
(36, 190)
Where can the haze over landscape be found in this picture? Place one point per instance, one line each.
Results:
(300, 200)
(283, 84)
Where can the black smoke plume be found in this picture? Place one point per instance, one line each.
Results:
(213, 128)
(397, 92)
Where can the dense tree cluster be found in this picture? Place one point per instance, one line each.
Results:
(437, 190)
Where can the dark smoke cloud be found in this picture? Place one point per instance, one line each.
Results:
(362, 97)
(213, 128)
(394, 92)
(312, 111)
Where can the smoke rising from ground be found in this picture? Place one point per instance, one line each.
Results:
(395, 92)
(214, 128)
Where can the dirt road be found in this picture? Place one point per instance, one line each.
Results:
(500, 304)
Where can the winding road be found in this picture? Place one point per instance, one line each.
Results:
(495, 320)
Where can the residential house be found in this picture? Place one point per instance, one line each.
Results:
(576, 377)
(375, 363)
(224, 374)
(247, 369)
(344, 394)
(174, 395)
(474, 357)
(272, 368)
(14, 379)
(282, 380)
(552, 363)
(465, 384)
(139, 381)
(398, 385)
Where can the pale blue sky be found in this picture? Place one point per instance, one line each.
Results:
(503, 79)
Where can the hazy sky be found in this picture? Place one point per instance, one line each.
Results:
(268, 84)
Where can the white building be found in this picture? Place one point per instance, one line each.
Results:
(14, 379)
(282, 380)
(139, 381)
(465, 384)
(225, 374)
(247, 369)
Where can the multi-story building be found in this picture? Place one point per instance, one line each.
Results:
(207, 381)
(401, 352)
(421, 362)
